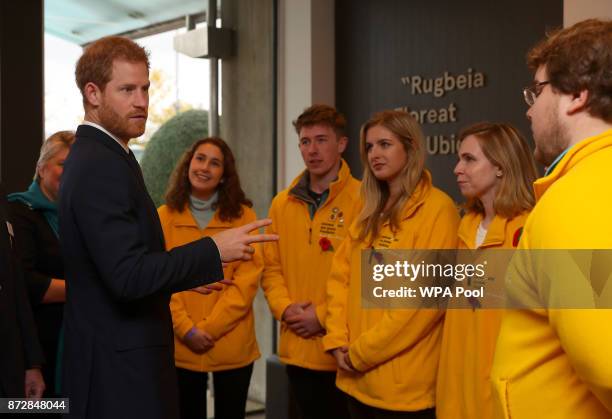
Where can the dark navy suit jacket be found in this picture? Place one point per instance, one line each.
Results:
(119, 354)
(19, 346)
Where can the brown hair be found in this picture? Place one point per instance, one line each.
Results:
(504, 146)
(57, 142)
(96, 63)
(579, 58)
(231, 196)
(323, 115)
(374, 192)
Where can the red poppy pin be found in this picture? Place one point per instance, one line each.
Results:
(326, 244)
(517, 236)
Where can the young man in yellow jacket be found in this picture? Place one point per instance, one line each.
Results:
(311, 217)
(553, 362)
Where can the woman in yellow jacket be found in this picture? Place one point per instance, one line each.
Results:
(213, 331)
(388, 358)
(494, 173)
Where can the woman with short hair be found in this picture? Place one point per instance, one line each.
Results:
(34, 216)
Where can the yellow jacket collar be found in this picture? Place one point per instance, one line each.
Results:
(578, 152)
(185, 219)
(335, 187)
(420, 193)
(496, 233)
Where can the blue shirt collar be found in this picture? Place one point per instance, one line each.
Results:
(556, 161)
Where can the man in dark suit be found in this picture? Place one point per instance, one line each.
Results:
(20, 352)
(118, 358)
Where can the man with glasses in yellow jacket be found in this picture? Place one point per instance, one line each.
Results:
(551, 361)
(311, 217)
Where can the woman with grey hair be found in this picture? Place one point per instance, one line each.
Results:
(34, 217)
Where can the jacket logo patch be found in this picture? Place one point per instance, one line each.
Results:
(337, 215)
(385, 241)
(328, 229)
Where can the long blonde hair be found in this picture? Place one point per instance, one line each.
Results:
(374, 192)
(504, 146)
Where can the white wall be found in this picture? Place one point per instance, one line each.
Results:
(306, 66)
(306, 72)
(577, 10)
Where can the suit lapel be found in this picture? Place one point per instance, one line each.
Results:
(104, 139)
(137, 170)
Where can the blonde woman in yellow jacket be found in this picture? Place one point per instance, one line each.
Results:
(388, 359)
(213, 331)
(494, 173)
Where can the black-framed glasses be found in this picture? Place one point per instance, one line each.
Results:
(532, 92)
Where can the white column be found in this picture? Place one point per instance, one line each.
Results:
(306, 72)
(577, 10)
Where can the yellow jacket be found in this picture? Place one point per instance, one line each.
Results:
(297, 267)
(468, 342)
(226, 315)
(395, 351)
(555, 363)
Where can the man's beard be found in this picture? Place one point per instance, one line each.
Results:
(120, 126)
(552, 142)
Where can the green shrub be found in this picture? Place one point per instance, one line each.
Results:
(167, 146)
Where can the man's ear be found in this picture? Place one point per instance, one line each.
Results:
(92, 94)
(39, 170)
(342, 143)
(578, 102)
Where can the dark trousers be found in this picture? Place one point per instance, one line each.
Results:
(231, 391)
(316, 394)
(359, 410)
